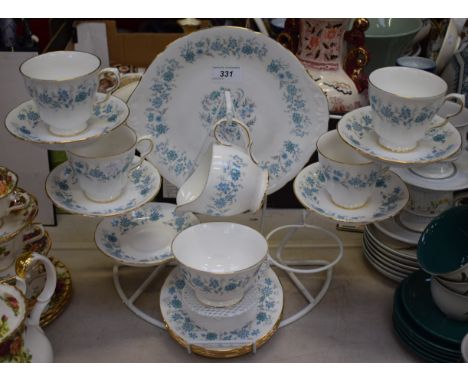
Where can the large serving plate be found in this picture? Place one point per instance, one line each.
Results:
(182, 94)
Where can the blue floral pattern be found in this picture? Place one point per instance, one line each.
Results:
(348, 181)
(176, 159)
(62, 187)
(64, 97)
(227, 189)
(390, 197)
(101, 172)
(402, 115)
(25, 123)
(269, 307)
(111, 231)
(439, 142)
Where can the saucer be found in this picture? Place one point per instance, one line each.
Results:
(390, 274)
(143, 237)
(226, 344)
(439, 143)
(62, 188)
(455, 182)
(417, 301)
(389, 197)
(24, 123)
(396, 230)
(41, 246)
(15, 221)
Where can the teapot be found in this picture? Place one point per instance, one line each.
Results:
(21, 337)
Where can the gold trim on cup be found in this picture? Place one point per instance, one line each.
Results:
(412, 97)
(32, 202)
(65, 79)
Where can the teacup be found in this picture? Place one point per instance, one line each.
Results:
(428, 203)
(457, 286)
(349, 177)
(11, 198)
(11, 248)
(21, 338)
(404, 102)
(453, 304)
(63, 86)
(102, 166)
(220, 261)
(464, 348)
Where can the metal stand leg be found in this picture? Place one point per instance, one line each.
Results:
(129, 302)
(281, 263)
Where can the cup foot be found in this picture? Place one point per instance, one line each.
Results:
(69, 132)
(442, 170)
(218, 304)
(350, 206)
(397, 148)
(102, 201)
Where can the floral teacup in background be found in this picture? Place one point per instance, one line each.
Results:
(349, 177)
(63, 86)
(404, 102)
(11, 198)
(102, 166)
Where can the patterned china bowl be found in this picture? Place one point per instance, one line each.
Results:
(220, 261)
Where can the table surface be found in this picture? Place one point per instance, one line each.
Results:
(351, 324)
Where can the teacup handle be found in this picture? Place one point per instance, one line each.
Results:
(20, 205)
(143, 156)
(459, 99)
(243, 126)
(32, 230)
(113, 72)
(23, 264)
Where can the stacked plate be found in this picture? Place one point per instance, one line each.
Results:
(421, 326)
(392, 258)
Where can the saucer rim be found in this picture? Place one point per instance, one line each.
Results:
(67, 139)
(230, 352)
(316, 164)
(395, 162)
(393, 235)
(132, 263)
(103, 215)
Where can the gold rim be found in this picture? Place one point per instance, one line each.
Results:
(337, 161)
(67, 79)
(233, 352)
(66, 141)
(124, 151)
(296, 185)
(394, 161)
(103, 215)
(411, 98)
(228, 353)
(34, 209)
(224, 273)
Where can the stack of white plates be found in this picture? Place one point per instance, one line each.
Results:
(392, 258)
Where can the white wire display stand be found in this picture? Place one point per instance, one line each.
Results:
(315, 266)
(277, 261)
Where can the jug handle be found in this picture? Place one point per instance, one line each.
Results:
(23, 264)
(243, 126)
